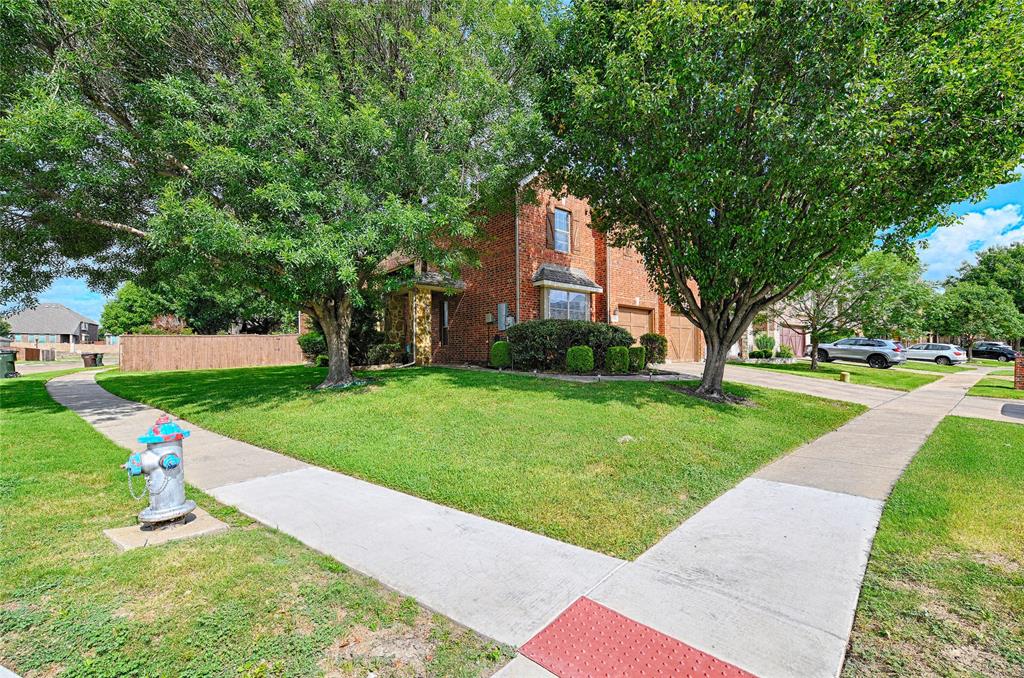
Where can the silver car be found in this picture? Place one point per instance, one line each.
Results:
(943, 354)
(879, 353)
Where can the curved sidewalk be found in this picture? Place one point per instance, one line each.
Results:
(501, 581)
(766, 577)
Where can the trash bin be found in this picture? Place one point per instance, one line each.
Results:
(7, 358)
(99, 360)
(89, 359)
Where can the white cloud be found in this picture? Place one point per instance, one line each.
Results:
(950, 246)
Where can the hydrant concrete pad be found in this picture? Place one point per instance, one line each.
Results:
(199, 522)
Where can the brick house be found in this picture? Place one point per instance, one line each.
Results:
(541, 260)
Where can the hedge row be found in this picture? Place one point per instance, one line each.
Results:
(543, 344)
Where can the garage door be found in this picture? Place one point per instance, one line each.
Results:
(683, 339)
(636, 320)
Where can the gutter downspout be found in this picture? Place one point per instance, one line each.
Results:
(516, 235)
(607, 281)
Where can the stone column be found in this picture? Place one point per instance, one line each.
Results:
(1018, 373)
(421, 324)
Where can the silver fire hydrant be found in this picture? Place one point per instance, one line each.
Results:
(163, 464)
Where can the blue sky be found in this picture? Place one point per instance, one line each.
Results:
(996, 220)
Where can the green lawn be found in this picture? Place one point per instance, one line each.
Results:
(944, 592)
(996, 388)
(247, 602)
(900, 380)
(987, 362)
(1001, 373)
(926, 366)
(540, 454)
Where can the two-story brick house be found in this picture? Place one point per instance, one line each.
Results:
(541, 260)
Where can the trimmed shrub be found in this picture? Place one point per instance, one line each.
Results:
(656, 346)
(501, 354)
(384, 354)
(764, 342)
(312, 344)
(785, 351)
(637, 358)
(543, 344)
(579, 359)
(617, 359)
(322, 361)
(760, 354)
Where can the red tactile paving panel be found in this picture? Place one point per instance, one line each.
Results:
(589, 640)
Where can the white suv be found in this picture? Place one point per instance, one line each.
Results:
(943, 354)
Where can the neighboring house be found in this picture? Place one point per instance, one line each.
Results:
(52, 324)
(540, 261)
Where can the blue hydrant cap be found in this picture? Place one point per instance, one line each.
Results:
(163, 431)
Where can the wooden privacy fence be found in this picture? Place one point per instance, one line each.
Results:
(157, 353)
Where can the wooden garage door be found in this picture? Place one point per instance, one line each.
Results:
(636, 320)
(683, 339)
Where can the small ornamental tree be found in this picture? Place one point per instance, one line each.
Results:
(971, 312)
(133, 306)
(747, 147)
(880, 295)
(288, 148)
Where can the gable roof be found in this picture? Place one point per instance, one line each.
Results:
(47, 319)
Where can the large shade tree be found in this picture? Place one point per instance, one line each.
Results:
(972, 311)
(749, 146)
(286, 147)
(1001, 267)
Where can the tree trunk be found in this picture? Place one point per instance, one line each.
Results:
(335, 317)
(814, 352)
(714, 369)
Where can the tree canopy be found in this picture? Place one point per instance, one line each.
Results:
(972, 311)
(999, 266)
(287, 148)
(750, 146)
(880, 295)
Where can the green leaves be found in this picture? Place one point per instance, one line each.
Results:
(748, 147)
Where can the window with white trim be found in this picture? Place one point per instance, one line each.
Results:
(567, 305)
(563, 222)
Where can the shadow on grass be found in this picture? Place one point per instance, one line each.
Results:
(26, 396)
(217, 390)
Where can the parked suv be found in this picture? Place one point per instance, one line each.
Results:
(879, 353)
(993, 350)
(943, 354)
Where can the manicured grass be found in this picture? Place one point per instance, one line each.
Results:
(927, 366)
(247, 602)
(900, 380)
(541, 454)
(944, 592)
(996, 388)
(1001, 373)
(987, 362)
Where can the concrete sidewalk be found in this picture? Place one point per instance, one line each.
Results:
(768, 575)
(765, 577)
(501, 581)
(996, 409)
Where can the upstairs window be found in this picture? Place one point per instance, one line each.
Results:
(562, 227)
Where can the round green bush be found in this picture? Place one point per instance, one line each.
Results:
(637, 358)
(501, 354)
(764, 342)
(786, 351)
(656, 346)
(312, 344)
(616, 360)
(579, 359)
(760, 354)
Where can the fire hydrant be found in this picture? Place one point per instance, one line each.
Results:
(163, 464)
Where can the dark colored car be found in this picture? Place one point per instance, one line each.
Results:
(993, 351)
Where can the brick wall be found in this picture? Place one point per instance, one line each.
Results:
(1018, 373)
(494, 281)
